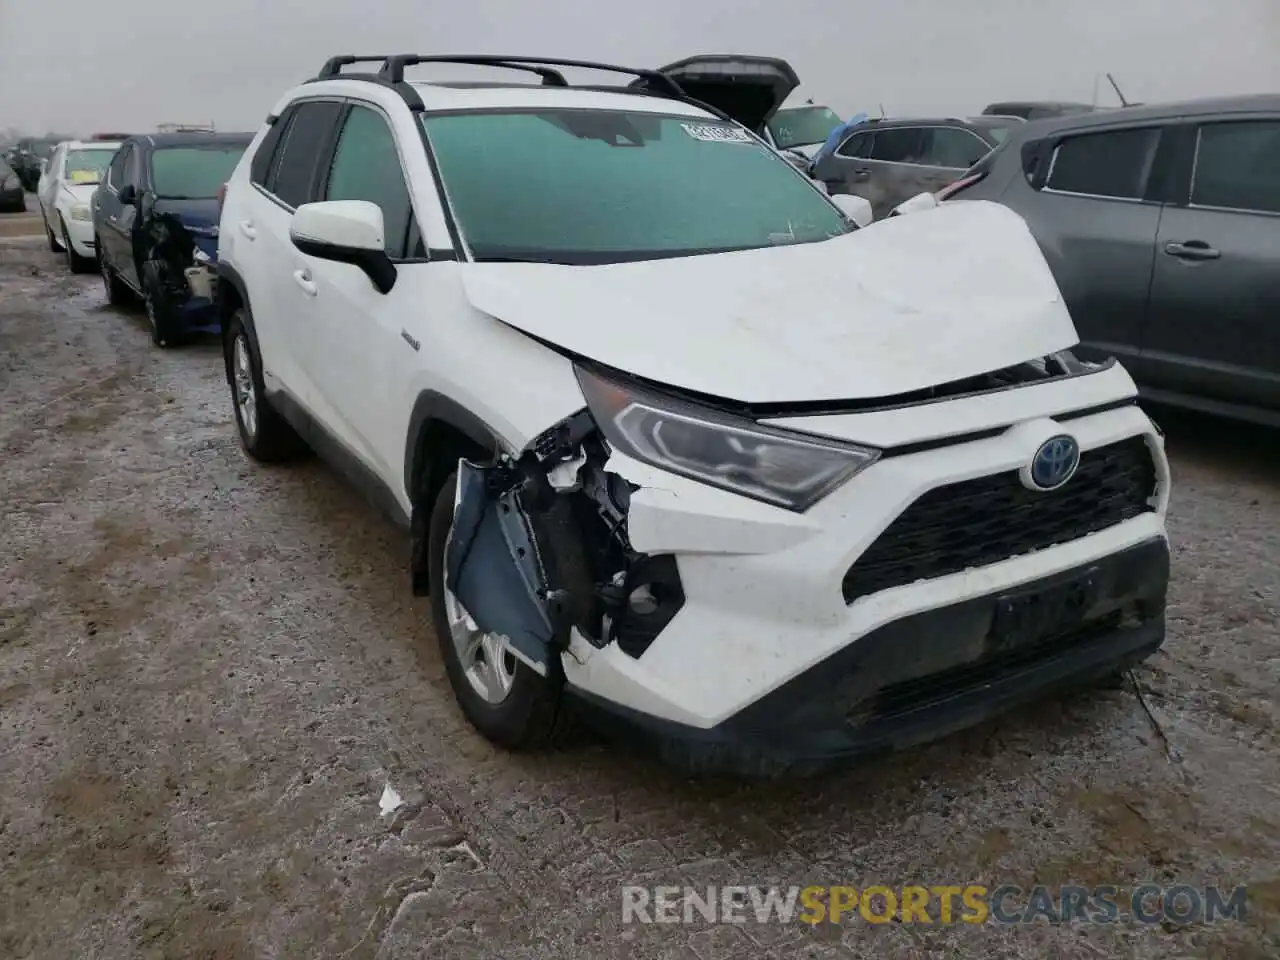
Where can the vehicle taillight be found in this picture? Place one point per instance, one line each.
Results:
(951, 189)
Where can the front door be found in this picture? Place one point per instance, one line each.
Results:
(1213, 328)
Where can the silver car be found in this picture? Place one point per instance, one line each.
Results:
(889, 161)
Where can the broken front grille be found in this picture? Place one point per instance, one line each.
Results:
(989, 519)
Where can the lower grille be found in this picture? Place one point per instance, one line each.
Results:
(989, 519)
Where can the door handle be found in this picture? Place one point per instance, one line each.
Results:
(1192, 250)
(247, 228)
(303, 279)
(862, 174)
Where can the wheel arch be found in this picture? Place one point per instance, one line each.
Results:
(441, 432)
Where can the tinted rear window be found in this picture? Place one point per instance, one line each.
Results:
(1238, 166)
(1111, 164)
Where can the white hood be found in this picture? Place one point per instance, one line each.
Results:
(905, 304)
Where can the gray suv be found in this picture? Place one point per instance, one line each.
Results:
(888, 161)
(1161, 224)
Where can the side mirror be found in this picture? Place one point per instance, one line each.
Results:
(857, 209)
(128, 194)
(921, 201)
(345, 231)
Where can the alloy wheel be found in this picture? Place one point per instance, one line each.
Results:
(489, 666)
(246, 392)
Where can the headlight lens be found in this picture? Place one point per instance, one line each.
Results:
(80, 211)
(779, 467)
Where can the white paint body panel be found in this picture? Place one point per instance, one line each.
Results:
(763, 586)
(908, 304)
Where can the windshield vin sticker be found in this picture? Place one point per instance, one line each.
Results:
(715, 133)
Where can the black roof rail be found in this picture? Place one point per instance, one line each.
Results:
(392, 69)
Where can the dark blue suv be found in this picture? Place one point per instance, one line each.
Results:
(155, 217)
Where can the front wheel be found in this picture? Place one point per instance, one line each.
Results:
(501, 697)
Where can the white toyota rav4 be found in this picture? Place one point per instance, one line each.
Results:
(677, 442)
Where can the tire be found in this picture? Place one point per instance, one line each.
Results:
(75, 262)
(265, 435)
(532, 715)
(118, 294)
(162, 315)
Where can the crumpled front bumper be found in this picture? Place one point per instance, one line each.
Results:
(902, 684)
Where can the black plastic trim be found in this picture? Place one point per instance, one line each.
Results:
(814, 721)
(432, 406)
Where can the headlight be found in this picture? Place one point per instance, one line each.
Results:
(80, 211)
(779, 467)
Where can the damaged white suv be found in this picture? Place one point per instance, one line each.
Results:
(677, 442)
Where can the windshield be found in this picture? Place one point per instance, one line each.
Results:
(193, 173)
(87, 166)
(802, 126)
(605, 186)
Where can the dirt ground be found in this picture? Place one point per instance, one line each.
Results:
(209, 671)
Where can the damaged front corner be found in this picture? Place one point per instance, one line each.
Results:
(540, 555)
(492, 567)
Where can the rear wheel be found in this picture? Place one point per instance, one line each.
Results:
(117, 293)
(264, 434)
(75, 262)
(501, 697)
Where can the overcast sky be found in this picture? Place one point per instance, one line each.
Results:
(130, 64)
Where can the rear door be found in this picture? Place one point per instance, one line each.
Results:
(281, 295)
(1091, 200)
(111, 233)
(1214, 323)
(878, 164)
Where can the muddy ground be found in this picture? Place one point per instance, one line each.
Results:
(210, 670)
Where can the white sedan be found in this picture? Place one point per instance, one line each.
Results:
(67, 183)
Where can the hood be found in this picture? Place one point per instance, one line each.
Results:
(903, 305)
(748, 89)
(198, 216)
(810, 150)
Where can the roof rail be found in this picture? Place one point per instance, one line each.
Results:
(392, 69)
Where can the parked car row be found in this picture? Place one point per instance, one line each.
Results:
(1161, 225)
(678, 437)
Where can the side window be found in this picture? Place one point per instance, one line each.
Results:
(133, 168)
(1112, 164)
(899, 145)
(294, 172)
(953, 147)
(115, 173)
(366, 166)
(1238, 166)
(266, 152)
(859, 145)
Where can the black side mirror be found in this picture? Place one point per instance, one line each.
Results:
(128, 194)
